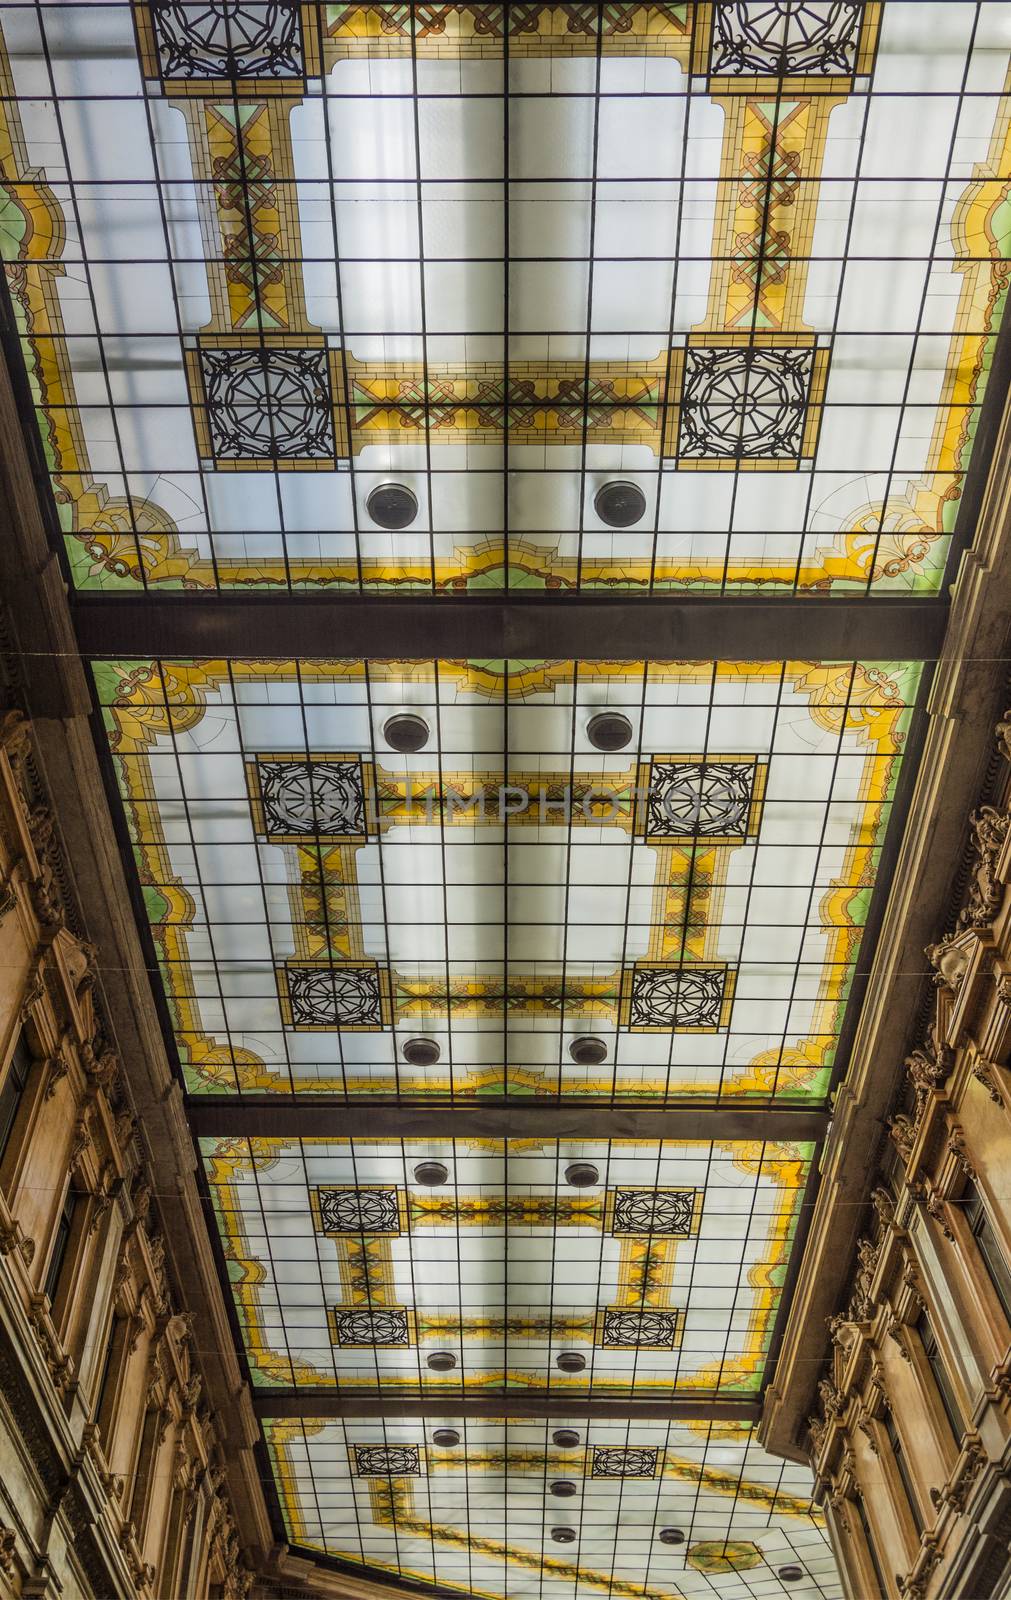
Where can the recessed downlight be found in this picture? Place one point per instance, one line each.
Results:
(563, 1488)
(445, 1438)
(791, 1573)
(421, 1052)
(431, 1174)
(671, 1536)
(565, 1438)
(588, 1051)
(392, 505)
(564, 1535)
(406, 732)
(441, 1361)
(609, 730)
(570, 1361)
(581, 1174)
(620, 504)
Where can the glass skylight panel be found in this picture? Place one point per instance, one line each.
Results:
(508, 910)
(478, 1517)
(661, 1276)
(266, 260)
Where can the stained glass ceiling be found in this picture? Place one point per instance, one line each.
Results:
(508, 995)
(744, 259)
(694, 902)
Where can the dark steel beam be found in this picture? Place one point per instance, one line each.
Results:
(324, 1117)
(500, 1403)
(279, 626)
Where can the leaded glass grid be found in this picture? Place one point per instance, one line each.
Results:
(508, 888)
(506, 1266)
(473, 1520)
(267, 257)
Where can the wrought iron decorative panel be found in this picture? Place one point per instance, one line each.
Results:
(695, 902)
(265, 257)
(475, 1523)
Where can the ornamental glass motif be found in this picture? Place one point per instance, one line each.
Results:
(750, 258)
(265, 257)
(318, 899)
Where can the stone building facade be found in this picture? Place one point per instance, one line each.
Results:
(112, 1479)
(911, 1438)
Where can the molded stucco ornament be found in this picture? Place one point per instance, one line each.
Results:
(950, 960)
(903, 1133)
(832, 1402)
(844, 1331)
(989, 831)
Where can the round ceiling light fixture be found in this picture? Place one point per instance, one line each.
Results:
(581, 1174)
(570, 1361)
(791, 1573)
(406, 732)
(392, 505)
(564, 1535)
(608, 731)
(562, 1488)
(671, 1536)
(565, 1438)
(441, 1361)
(588, 1051)
(431, 1174)
(445, 1438)
(620, 504)
(421, 1052)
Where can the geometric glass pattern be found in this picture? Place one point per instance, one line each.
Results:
(300, 961)
(745, 403)
(333, 997)
(666, 1213)
(757, 222)
(362, 1329)
(691, 799)
(771, 38)
(682, 998)
(310, 798)
(240, 39)
(359, 1210)
(268, 404)
(624, 1462)
(505, 1265)
(716, 1484)
(639, 1330)
(392, 1461)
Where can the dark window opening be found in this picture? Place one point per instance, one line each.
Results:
(944, 1384)
(64, 1228)
(12, 1092)
(902, 1466)
(870, 1546)
(989, 1247)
